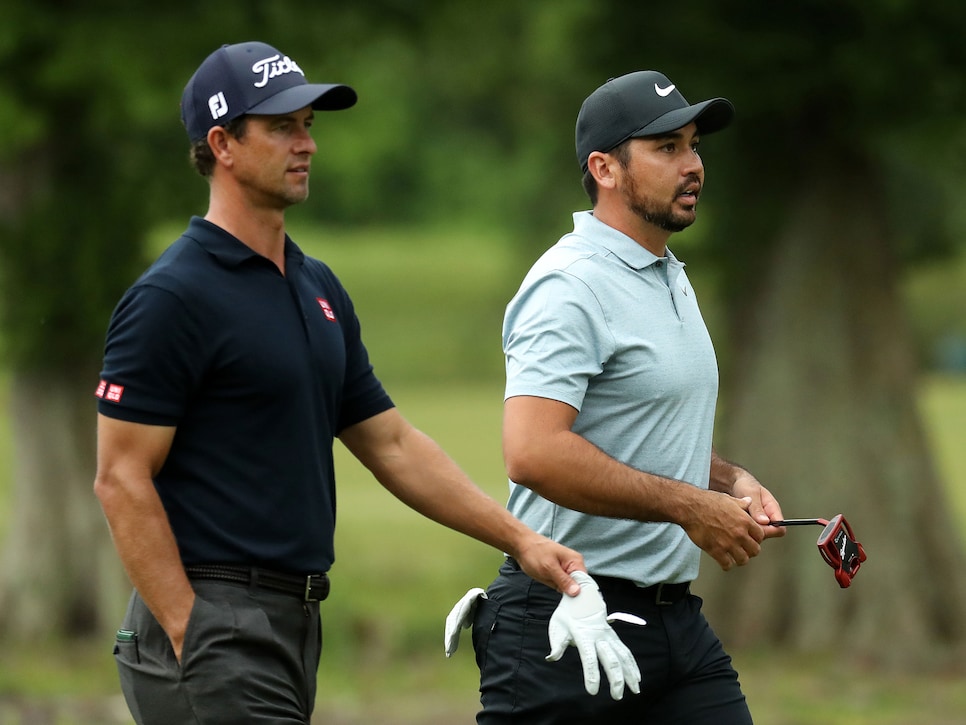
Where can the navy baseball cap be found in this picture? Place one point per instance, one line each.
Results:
(643, 103)
(252, 78)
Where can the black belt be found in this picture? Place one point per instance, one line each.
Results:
(662, 594)
(309, 588)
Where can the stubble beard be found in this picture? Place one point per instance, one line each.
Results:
(283, 196)
(290, 194)
(661, 215)
(296, 196)
(275, 193)
(663, 218)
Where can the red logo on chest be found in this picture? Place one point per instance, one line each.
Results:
(326, 309)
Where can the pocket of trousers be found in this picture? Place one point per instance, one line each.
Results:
(484, 625)
(203, 617)
(126, 646)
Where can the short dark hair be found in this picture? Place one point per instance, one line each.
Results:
(623, 154)
(201, 155)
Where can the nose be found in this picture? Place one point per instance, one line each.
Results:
(305, 143)
(693, 165)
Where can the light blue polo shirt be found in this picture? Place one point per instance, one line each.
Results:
(603, 325)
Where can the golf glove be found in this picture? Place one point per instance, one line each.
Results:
(460, 618)
(582, 621)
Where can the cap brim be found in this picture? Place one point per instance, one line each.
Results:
(710, 116)
(320, 96)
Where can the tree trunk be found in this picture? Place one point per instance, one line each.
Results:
(822, 410)
(60, 574)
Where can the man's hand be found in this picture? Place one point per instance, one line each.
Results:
(722, 526)
(582, 621)
(550, 563)
(460, 618)
(764, 506)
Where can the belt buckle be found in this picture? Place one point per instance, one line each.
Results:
(658, 598)
(318, 590)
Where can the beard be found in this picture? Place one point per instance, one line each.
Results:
(659, 214)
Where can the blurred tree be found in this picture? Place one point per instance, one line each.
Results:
(74, 207)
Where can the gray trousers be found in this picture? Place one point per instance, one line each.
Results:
(249, 656)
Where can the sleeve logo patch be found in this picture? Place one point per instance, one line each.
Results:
(326, 309)
(109, 391)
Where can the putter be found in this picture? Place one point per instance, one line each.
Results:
(837, 545)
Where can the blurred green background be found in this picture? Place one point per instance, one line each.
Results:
(430, 200)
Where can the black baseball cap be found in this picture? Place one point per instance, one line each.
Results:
(643, 103)
(252, 78)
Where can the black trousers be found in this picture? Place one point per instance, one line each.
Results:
(687, 678)
(250, 656)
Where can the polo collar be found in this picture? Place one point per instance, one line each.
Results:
(626, 249)
(227, 249)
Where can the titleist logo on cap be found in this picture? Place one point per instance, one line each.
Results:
(273, 67)
(252, 78)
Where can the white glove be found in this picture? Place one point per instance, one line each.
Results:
(582, 621)
(460, 618)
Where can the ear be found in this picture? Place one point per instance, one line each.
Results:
(219, 142)
(604, 168)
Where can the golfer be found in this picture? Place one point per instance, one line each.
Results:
(230, 366)
(610, 402)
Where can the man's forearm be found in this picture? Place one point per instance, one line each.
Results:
(724, 474)
(567, 469)
(425, 478)
(149, 553)
(543, 453)
(415, 469)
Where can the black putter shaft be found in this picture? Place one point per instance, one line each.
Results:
(798, 522)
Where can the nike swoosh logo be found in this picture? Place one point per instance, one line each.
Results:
(663, 92)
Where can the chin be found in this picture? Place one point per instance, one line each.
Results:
(677, 225)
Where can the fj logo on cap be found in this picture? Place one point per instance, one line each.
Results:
(663, 92)
(218, 105)
(272, 67)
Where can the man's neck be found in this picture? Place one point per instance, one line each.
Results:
(263, 230)
(651, 237)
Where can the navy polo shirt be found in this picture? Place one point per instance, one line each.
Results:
(259, 372)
